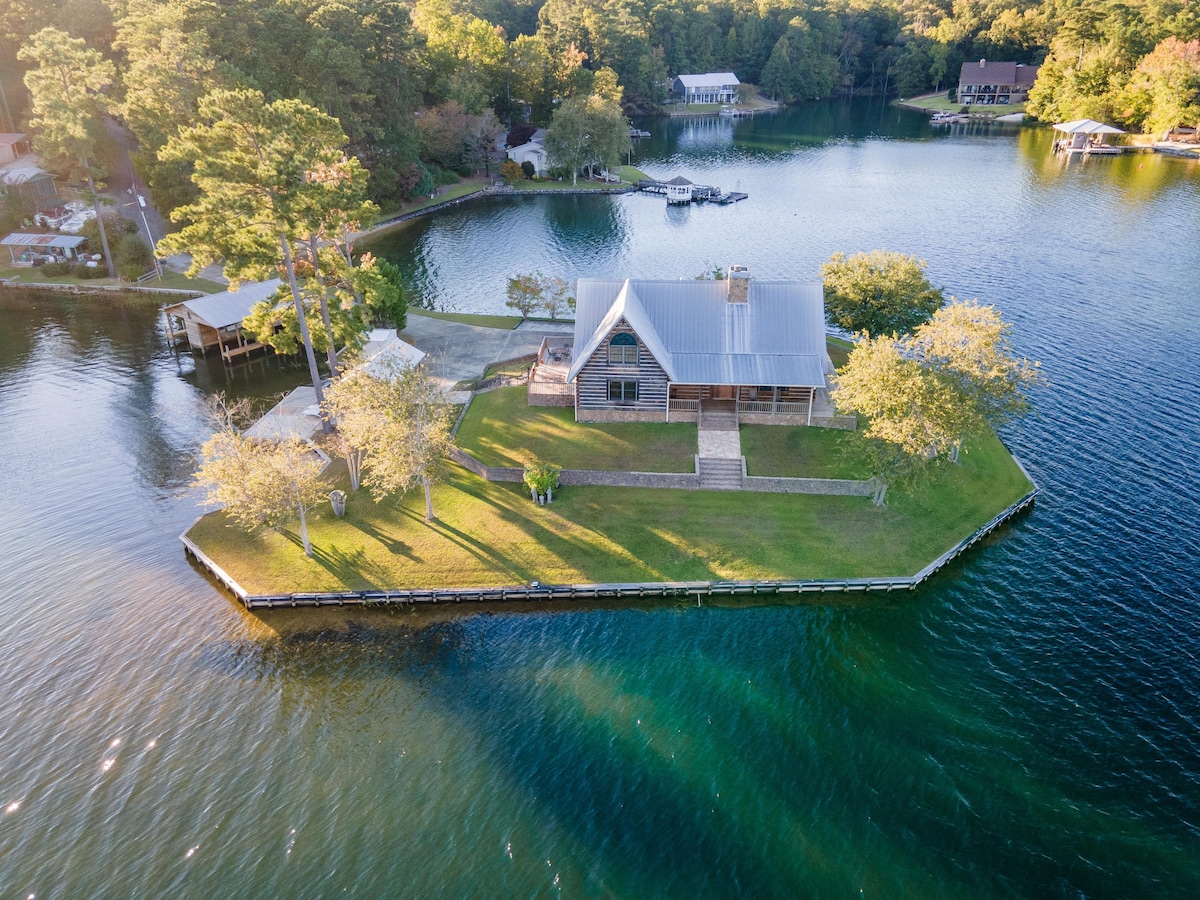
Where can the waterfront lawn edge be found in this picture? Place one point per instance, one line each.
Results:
(492, 535)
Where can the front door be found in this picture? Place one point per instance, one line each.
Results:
(722, 392)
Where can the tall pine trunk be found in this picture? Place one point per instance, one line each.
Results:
(322, 296)
(108, 260)
(313, 371)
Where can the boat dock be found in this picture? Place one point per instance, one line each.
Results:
(680, 190)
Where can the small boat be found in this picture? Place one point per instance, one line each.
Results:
(638, 133)
(947, 118)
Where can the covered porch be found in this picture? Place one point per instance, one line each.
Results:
(751, 404)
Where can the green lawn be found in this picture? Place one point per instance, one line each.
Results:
(501, 429)
(939, 103)
(839, 350)
(505, 323)
(492, 534)
(802, 452)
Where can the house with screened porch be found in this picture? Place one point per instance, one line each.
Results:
(678, 351)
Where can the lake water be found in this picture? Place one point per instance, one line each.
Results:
(1026, 725)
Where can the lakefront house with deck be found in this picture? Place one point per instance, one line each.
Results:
(677, 351)
(986, 83)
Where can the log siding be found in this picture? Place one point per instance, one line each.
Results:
(593, 380)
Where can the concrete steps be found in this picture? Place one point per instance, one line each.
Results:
(721, 474)
(720, 419)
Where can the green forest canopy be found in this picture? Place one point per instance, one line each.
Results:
(398, 74)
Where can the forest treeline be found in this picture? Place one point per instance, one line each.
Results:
(416, 85)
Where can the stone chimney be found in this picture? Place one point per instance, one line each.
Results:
(737, 282)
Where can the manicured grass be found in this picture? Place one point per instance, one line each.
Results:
(182, 282)
(938, 103)
(452, 192)
(802, 452)
(505, 323)
(492, 534)
(839, 350)
(501, 429)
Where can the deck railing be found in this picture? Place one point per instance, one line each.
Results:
(683, 404)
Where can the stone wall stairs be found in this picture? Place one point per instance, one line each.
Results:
(721, 474)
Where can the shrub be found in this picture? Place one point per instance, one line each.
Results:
(83, 270)
(511, 172)
(529, 170)
(54, 269)
(133, 257)
(445, 176)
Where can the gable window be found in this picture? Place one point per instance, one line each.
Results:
(623, 350)
(622, 391)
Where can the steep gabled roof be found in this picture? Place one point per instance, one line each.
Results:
(628, 307)
(777, 337)
(986, 72)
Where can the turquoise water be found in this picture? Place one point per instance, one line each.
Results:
(1026, 725)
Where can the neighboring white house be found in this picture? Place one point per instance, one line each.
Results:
(532, 151)
(711, 87)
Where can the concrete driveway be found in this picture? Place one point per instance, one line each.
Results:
(458, 352)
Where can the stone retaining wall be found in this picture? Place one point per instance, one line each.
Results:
(837, 486)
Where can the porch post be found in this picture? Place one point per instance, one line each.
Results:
(774, 399)
(812, 397)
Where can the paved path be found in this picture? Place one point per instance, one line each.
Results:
(458, 352)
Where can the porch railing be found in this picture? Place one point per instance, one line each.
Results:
(683, 404)
(779, 408)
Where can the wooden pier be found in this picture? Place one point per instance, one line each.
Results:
(700, 193)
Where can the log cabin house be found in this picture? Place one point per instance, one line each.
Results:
(667, 350)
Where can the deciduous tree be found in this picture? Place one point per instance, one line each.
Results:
(259, 482)
(396, 422)
(881, 292)
(525, 293)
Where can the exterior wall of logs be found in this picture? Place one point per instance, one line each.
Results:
(595, 380)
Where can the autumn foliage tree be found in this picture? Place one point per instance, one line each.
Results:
(259, 482)
(922, 397)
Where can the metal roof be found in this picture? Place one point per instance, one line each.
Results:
(708, 79)
(229, 307)
(777, 337)
(1087, 126)
(22, 171)
(10, 138)
(62, 241)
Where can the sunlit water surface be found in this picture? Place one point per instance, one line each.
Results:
(1026, 725)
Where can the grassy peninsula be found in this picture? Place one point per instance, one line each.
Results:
(492, 534)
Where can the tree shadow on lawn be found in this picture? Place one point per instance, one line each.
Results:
(642, 543)
(483, 552)
(353, 569)
(393, 545)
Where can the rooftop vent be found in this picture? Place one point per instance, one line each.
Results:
(982, 63)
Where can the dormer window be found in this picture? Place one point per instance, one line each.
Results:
(623, 350)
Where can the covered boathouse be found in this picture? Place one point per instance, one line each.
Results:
(673, 350)
(216, 320)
